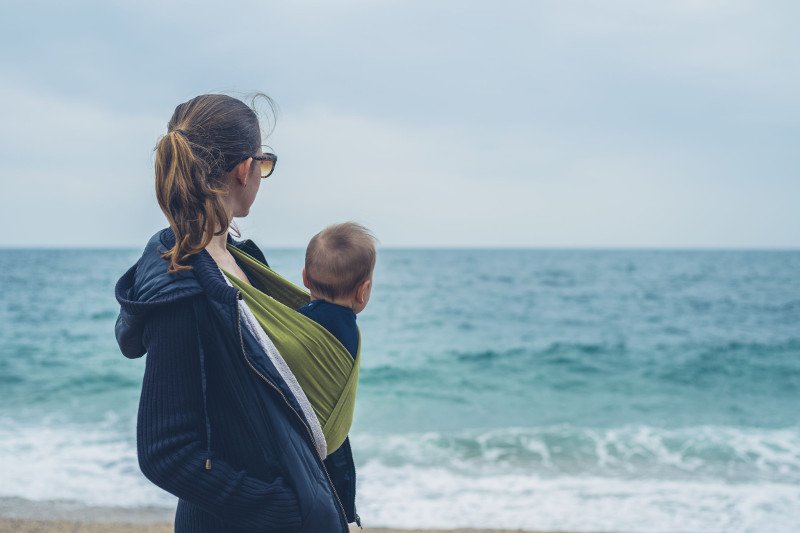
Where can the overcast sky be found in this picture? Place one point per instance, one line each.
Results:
(551, 123)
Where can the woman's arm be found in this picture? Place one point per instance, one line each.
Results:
(171, 441)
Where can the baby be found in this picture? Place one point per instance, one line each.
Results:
(338, 274)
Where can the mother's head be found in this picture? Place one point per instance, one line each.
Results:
(208, 169)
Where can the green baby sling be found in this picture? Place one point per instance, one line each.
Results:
(324, 368)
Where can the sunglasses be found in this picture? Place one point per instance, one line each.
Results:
(267, 162)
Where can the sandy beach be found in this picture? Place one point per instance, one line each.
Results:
(19, 515)
(21, 525)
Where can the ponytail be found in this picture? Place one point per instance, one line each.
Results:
(188, 197)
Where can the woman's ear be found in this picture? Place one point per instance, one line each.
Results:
(241, 171)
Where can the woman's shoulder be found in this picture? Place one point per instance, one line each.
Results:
(249, 247)
(148, 282)
(148, 289)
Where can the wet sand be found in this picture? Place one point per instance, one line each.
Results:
(26, 525)
(19, 515)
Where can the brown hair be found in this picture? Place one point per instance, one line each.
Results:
(206, 137)
(339, 258)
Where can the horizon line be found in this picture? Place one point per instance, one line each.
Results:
(688, 248)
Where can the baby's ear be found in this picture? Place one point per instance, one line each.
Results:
(363, 291)
(305, 280)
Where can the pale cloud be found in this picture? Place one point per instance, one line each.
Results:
(556, 123)
(76, 174)
(431, 187)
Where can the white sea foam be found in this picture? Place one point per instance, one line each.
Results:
(511, 478)
(91, 466)
(734, 455)
(407, 496)
(631, 478)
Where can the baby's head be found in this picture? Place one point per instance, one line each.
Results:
(339, 264)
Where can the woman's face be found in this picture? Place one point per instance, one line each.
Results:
(253, 180)
(245, 193)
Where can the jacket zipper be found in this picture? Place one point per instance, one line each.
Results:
(343, 515)
(355, 478)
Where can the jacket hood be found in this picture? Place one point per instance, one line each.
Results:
(147, 286)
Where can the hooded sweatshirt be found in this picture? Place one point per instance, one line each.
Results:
(218, 426)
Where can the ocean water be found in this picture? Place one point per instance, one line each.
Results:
(542, 389)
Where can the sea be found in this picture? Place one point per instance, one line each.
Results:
(579, 390)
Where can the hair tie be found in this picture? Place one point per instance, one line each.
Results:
(181, 132)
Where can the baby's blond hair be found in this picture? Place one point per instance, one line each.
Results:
(340, 258)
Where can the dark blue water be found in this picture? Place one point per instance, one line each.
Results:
(539, 381)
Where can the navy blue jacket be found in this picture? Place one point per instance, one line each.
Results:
(217, 426)
(339, 320)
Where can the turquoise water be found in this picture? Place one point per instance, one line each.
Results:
(530, 388)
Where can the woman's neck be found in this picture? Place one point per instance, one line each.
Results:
(218, 250)
(218, 245)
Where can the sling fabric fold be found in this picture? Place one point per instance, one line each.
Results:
(323, 367)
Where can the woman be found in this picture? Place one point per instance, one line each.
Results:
(218, 425)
